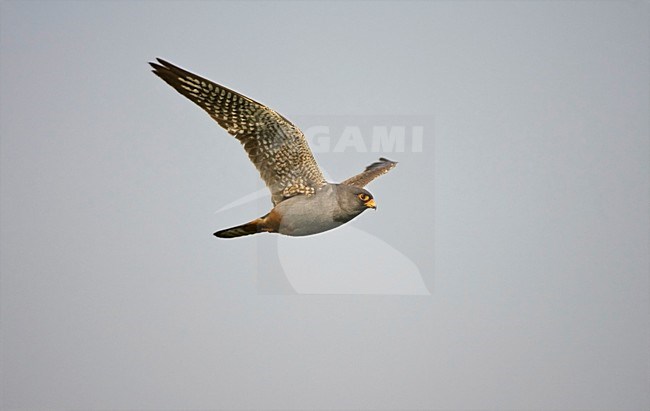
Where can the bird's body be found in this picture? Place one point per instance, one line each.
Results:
(304, 203)
(306, 214)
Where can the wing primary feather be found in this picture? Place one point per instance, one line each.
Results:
(371, 172)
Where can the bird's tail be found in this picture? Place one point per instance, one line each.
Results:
(252, 227)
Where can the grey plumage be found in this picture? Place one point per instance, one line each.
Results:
(304, 203)
(299, 219)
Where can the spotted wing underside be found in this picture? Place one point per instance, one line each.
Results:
(277, 148)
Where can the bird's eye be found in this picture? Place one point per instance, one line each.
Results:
(363, 197)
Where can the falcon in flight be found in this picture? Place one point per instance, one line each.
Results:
(303, 202)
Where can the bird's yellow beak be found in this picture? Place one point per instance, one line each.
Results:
(371, 204)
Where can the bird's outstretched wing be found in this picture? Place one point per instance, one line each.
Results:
(278, 149)
(371, 172)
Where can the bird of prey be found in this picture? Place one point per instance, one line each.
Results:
(303, 202)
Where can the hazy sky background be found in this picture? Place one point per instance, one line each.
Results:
(527, 210)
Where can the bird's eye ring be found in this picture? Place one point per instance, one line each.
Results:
(363, 197)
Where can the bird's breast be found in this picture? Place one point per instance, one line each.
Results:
(305, 215)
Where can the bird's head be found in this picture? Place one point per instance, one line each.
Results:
(366, 199)
(354, 199)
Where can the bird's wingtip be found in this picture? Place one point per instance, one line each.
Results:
(159, 63)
